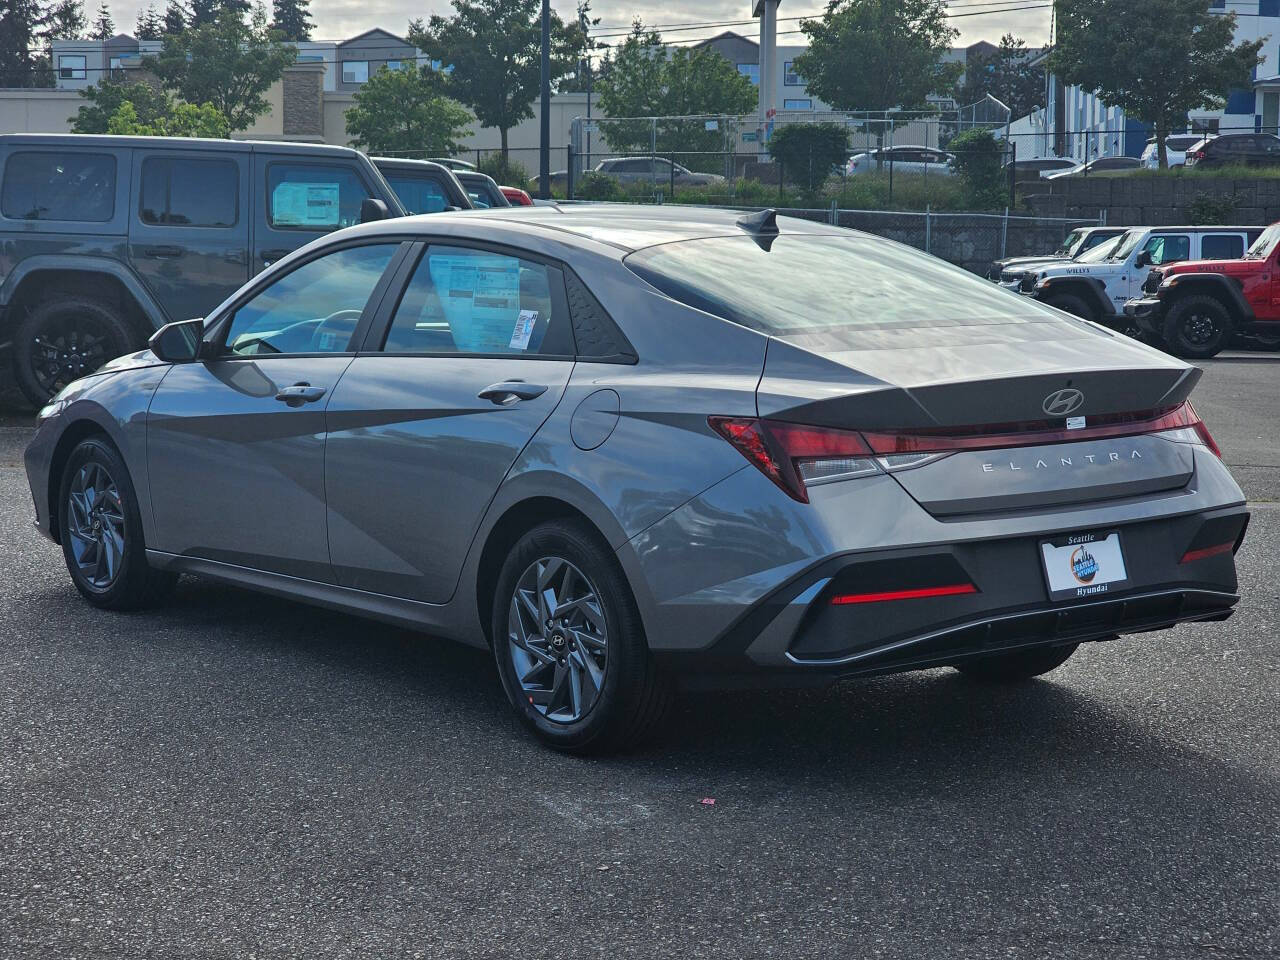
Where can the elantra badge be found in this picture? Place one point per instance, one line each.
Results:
(1062, 402)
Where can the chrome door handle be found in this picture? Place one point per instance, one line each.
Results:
(299, 393)
(509, 391)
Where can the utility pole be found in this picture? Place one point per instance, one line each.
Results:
(544, 148)
(585, 23)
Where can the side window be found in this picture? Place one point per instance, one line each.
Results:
(1092, 240)
(313, 309)
(189, 193)
(308, 196)
(1169, 248)
(1221, 246)
(418, 194)
(59, 186)
(462, 300)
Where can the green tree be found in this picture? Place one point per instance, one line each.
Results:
(150, 26)
(633, 84)
(404, 112)
(176, 17)
(106, 97)
(104, 28)
(1155, 68)
(21, 65)
(879, 54)
(979, 164)
(1008, 75)
(292, 19)
(491, 50)
(228, 63)
(185, 120)
(65, 21)
(808, 151)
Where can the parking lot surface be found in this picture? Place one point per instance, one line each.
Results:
(238, 776)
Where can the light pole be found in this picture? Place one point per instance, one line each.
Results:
(544, 147)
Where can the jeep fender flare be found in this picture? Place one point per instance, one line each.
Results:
(54, 262)
(1213, 284)
(1089, 289)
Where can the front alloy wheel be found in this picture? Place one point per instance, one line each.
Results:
(95, 525)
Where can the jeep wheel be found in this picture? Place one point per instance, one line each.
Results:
(1072, 304)
(62, 340)
(1197, 327)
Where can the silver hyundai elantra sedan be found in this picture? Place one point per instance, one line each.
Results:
(637, 449)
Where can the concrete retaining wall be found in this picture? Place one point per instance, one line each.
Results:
(1142, 200)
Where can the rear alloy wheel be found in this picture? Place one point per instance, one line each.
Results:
(569, 646)
(62, 340)
(1197, 327)
(1072, 304)
(1017, 665)
(101, 531)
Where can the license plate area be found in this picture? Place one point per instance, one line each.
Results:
(1083, 565)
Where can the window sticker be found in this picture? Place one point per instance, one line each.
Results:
(524, 330)
(480, 295)
(305, 204)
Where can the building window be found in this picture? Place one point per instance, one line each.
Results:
(1217, 4)
(1240, 101)
(393, 64)
(1269, 8)
(797, 104)
(355, 71)
(751, 71)
(789, 76)
(71, 67)
(1204, 125)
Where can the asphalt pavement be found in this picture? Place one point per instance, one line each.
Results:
(236, 776)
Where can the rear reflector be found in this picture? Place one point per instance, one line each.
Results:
(949, 590)
(1191, 556)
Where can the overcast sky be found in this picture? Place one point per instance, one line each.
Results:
(340, 19)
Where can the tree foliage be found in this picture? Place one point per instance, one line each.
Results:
(150, 25)
(185, 120)
(65, 20)
(105, 99)
(292, 19)
(20, 63)
(979, 163)
(176, 17)
(1155, 68)
(1008, 75)
(404, 112)
(228, 63)
(491, 50)
(879, 54)
(809, 151)
(104, 28)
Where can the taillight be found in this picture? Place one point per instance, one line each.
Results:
(793, 455)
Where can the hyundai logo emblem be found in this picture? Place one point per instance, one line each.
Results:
(1062, 402)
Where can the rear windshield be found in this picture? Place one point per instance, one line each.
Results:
(813, 283)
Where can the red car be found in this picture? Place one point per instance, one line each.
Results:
(517, 197)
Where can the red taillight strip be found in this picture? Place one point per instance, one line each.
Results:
(1191, 556)
(949, 590)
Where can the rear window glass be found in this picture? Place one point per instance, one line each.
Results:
(1222, 246)
(849, 282)
(189, 193)
(418, 194)
(59, 186)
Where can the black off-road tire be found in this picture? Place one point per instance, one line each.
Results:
(64, 338)
(635, 695)
(1073, 305)
(136, 584)
(1018, 665)
(1197, 327)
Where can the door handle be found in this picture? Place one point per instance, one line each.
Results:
(271, 256)
(299, 393)
(509, 391)
(162, 253)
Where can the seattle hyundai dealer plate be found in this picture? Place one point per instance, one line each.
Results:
(1083, 564)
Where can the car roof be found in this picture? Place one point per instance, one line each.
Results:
(176, 143)
(408, 165)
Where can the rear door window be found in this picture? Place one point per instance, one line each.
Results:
(1168, 248)
(189, 193)
(307, 196)
(418, 194)
(1222, 246)
(59, 186)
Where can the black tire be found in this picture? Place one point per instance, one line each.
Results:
(63, 339)
(1197, 327)
(1018, 665)
(634, 696)
(132, 583)
(1072, 304)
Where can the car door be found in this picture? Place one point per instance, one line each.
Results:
(235, 443)
(301, 199)
(455, 379)
(188, 232)
(1160, 249)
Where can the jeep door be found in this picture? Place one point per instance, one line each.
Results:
(1160, 248)
(188, 232)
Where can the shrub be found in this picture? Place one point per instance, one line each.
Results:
(593, 185)
(979, 157)
(508, 172)
(1205, 209)
(809, 151)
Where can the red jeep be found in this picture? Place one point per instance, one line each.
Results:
(1196, 306)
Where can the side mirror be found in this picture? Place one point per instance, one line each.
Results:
(371, 210)
(178, 342)
(1143, 259)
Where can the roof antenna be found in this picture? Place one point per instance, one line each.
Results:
(762, 223)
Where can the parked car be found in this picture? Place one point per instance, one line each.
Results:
(1235, 149)
(516, 197)
(1031, 168)
(106, 239)
(611, 448)
(903, 159)
(1197, 305)
(657, 170)
(1175, 147)
(1107, 165)
(1010, 270)
(482, 189)
(1099, 290)
(423, 186)
(453, 164)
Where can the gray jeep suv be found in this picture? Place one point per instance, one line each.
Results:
(105, 239)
